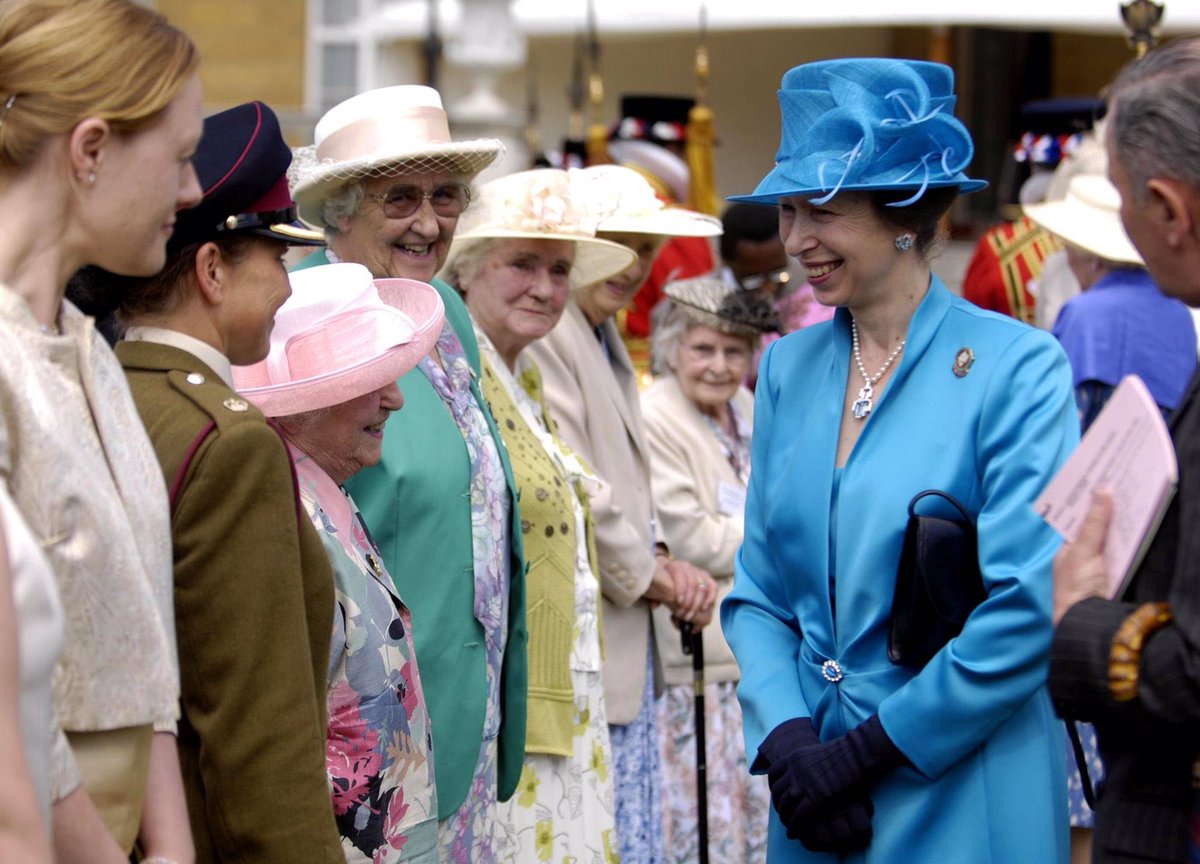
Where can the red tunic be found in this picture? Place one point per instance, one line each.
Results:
(680, 258)
(1006, 258)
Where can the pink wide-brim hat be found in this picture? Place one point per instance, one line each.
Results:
(339, 336)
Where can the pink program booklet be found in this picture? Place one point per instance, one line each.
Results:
(1128, 451)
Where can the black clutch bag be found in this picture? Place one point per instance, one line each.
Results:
(937, 584)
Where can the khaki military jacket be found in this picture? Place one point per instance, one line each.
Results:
(254, 608)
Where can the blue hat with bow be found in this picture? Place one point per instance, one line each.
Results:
(867, 124)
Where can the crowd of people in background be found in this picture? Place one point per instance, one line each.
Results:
(397, 558)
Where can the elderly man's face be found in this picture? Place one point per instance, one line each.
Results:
(411, 247)
(1143, 216)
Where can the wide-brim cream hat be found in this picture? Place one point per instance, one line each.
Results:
(339, 336)
(382, 133)
(1089, 218)
(621, 201)
(537, 204)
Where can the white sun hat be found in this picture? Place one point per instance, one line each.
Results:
(537, 204)
(620, 200)
(382, 133)
(1090, 218)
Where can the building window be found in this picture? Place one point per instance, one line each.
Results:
(339, 73)
(335, 13)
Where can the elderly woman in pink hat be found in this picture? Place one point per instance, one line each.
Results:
(339, 344)
(517, 254)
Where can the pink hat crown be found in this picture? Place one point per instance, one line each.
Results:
(340, 335)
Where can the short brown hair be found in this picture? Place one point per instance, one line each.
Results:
(162, 293)
(922, 217)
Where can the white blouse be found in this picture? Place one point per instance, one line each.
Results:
(39, 617)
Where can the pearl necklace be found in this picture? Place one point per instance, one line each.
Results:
(864, 403)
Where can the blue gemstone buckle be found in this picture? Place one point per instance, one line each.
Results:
(831, 670)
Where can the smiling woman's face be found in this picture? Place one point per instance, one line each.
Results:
(348, 437)
(410, 247)
(848, 251)
(603, 300)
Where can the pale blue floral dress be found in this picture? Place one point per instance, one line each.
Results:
(472, 834)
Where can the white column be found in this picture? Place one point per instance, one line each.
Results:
(488, 44)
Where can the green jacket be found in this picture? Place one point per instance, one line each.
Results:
(254, 613)
(417, 502)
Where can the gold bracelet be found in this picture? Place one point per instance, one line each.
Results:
(1125, 655)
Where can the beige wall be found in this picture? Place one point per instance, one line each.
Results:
(255, 49)
(746, 68)
(1084, 63)
(251, 49)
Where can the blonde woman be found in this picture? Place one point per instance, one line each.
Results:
(95, 149)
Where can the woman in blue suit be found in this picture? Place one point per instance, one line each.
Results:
(908, 388)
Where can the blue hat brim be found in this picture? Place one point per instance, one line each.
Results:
(775, 186)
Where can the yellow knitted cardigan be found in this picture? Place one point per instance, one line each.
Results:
(548, 528)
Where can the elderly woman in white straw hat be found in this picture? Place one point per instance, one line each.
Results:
(591, 389)
(339, 344)
(1121, 324)
(515, 258)
(699, 418)
(387, 184)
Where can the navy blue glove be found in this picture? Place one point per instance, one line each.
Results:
(785, 739)
(813, 782)
(846, 830)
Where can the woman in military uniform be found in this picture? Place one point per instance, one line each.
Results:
(253, 588)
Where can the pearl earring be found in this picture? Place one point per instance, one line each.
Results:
(904, 242)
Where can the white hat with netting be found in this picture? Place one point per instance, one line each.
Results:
(387, 132)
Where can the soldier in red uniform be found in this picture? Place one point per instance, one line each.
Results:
(650, 139)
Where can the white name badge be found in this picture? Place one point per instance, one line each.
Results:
(731, 498)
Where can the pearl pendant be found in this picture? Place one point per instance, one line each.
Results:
(863, 404)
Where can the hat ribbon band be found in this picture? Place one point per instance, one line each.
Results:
(343, 340)
(409, 128)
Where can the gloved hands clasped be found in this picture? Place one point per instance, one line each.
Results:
(820, 790)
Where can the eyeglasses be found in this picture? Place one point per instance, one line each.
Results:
(400, 202)
(755, 281)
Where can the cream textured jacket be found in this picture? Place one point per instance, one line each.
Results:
(687, 467)
(77, 463)
(594, 401)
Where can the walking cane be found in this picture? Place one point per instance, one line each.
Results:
(693, 644)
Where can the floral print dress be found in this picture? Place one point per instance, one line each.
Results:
(739, 804)
(471, 835)
(379, 747)
(563, 809)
